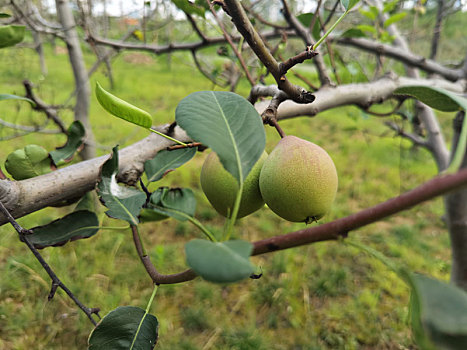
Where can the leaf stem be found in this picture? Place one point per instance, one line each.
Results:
(460, 149)
(167, 137)
(145, 313)
(233, 217)
(315, 46)
(202, 228)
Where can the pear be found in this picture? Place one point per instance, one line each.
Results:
(220, 187)
(298, 180)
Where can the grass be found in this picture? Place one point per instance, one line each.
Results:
(323, 296)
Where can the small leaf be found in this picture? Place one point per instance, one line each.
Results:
(190, 8)
(4, 15)
(220, 262)
(30, 161)
(353, 33)
(179, 203)
(367, 28)
(394, 18)
(117, 330)
(122, 109)
(436, 98)
(305, 19)
(439, 313)
(348, 4)
(124, 202)
(14, 97)
(368, 14)
(165, 161)
(77, 225)
(390, 6)
(75, 139)
(228, 124)
(11, 35)
(87, 202)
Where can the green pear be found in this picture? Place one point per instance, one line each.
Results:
(298, 180)
(220, 187)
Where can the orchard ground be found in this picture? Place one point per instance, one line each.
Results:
(323, 296)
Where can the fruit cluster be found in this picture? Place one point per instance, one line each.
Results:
(298, 182)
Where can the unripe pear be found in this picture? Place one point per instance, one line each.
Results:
(220, 187)
(298, 180)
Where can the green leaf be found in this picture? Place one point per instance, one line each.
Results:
(27, 162)
(75, 139)
(366, 28)
(124, 202)
(179, 203)
(11, 35)
(87, 202)
(117, 330)
(394, 18)
(77, 225)
(305, 19)
(228, 124)
(220, 262)
(368, 14)
(353, 33)
(439, 313)
(348, 4)
(14, 97)
(390, 6)
(190, 7)
(4, 15)
(122, 109)
(436, 98)
(166, 161)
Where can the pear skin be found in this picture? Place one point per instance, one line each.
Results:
(298, 180)
(220, 187)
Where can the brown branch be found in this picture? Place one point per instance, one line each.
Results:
(293, 61)
(231, 43)
(56, 282)
(41, 106)
(416, 139)
(437, 186)
(157, 277)
(188, 145)
(402, 55)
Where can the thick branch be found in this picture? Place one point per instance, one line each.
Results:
(27, 196)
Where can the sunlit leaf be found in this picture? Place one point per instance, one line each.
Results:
(122, 109)
(125, 328)
(123, 202)
(394, 18)
(27, 162)
(11, 35)
(353, 33)
(220, 262)
(190, 7)
(77, 225)
(228, 124)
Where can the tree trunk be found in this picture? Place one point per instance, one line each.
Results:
(83, 90)
(456, 215)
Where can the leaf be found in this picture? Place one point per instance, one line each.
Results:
(87, 202)
(368, 14)
(305, 19)
(390, 6)
(179, 203)
(367, 28)
(441, 311)
(27, 162)
(353, 33)
(124, 202)
(220, 262)
(348, 4)
(11, 35)
(190, 8)
(77, 225)
(436, 98)
(4, 15)
(75, 139)
(166, 161)
(228, 124)
(14, 97)
(117, 330)
(394, 18)
(122, 109)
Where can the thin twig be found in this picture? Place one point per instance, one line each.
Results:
(416, 139)
(56, 282)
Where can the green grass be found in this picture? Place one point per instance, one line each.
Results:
(323, 296)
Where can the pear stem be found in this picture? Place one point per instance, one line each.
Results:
(278, 128)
